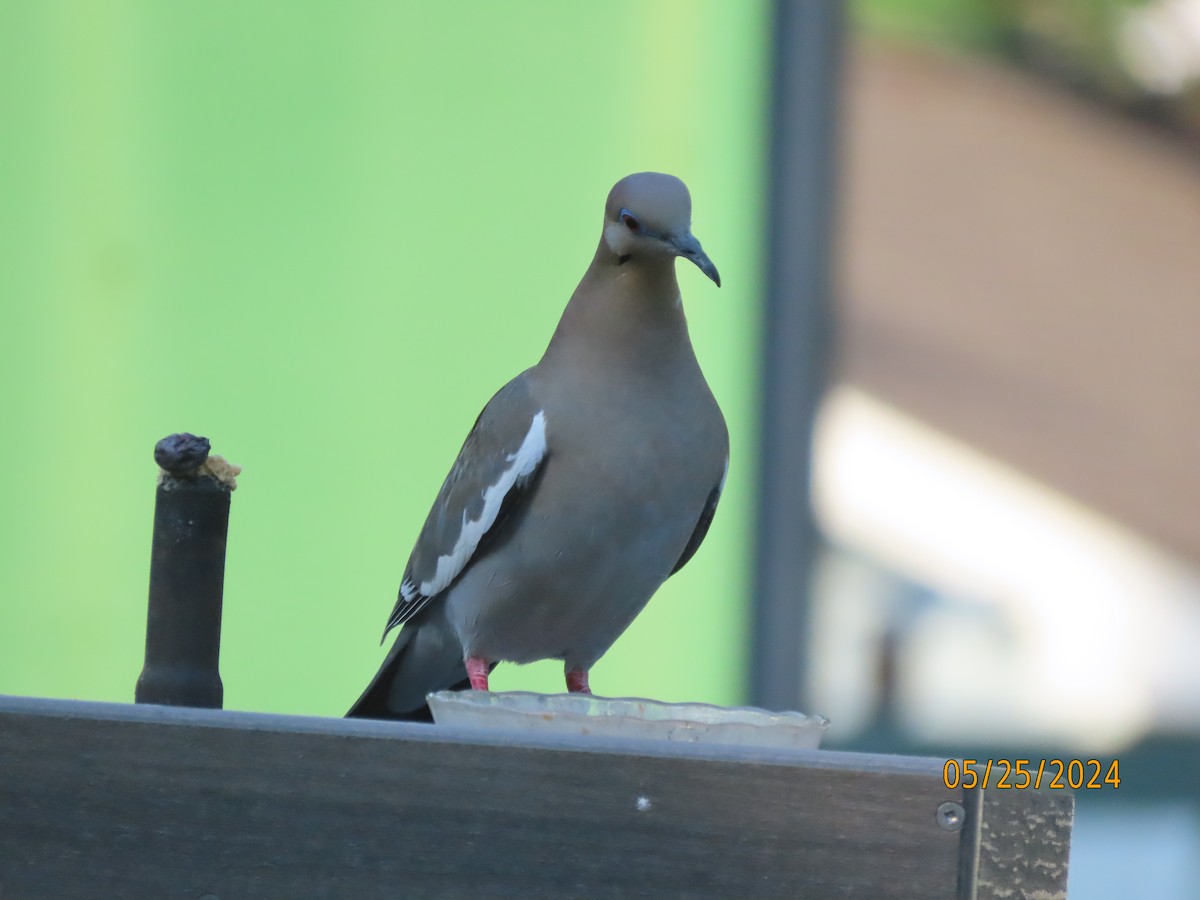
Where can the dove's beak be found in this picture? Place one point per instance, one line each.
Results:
(689, 248)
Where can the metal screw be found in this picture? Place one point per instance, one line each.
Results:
(950, 816)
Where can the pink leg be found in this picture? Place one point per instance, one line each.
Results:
(477, 671)
(577, 681)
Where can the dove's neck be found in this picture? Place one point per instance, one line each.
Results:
(626, 313)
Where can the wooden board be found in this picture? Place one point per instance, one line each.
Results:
(1017, 844)
(107, 800)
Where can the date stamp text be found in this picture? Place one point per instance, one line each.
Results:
(1023, 774)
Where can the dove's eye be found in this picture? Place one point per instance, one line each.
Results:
(630, 220)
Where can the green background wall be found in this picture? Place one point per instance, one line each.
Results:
(322, 234)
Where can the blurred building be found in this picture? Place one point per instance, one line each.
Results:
(1007, 465)
(1018, 423)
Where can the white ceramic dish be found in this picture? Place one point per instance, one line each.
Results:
(583, 714)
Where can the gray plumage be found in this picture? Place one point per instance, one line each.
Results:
(585, 483)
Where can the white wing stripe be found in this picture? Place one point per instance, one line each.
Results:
(523, 463)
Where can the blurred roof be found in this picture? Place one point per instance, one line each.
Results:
(1021, 269)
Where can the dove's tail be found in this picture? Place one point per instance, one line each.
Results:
(423, 659)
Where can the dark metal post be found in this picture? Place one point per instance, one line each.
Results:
(797, 336)
(187, 574)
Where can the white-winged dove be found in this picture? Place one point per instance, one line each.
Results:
(587, 481)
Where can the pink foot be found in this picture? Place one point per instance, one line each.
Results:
(477, 671)
(577, 681)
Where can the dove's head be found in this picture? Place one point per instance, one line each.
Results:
(649, 215)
